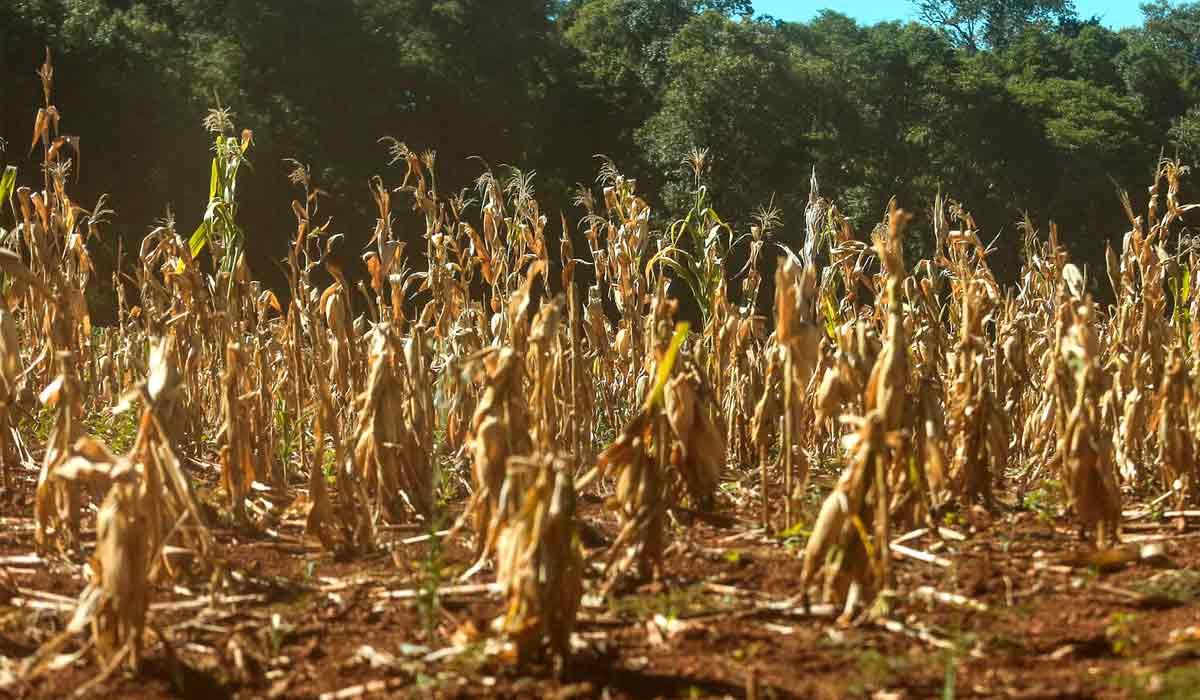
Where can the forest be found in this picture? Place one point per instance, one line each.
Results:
(1012, 107)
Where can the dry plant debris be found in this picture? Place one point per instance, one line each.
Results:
(261, 477)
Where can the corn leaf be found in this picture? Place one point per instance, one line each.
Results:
(199, 239)
(214, 181)
(830, 320)
(7, 182)
(668, 363)
(665, 257)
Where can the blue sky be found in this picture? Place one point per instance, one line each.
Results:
(1114, 13)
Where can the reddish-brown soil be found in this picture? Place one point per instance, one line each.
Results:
(1034, 618)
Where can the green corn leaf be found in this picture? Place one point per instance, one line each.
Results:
(214, 180)
(950, 680)
(713, 234)
(666, 256)
(7, 182)
(830, 320)
(667, 363)
(684, 271)
(679, 227)
(717, 218)
(199, 239)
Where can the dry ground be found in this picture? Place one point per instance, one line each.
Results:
(1029, 615)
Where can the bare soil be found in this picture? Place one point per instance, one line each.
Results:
(1031, 613)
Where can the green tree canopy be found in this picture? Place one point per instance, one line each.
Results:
(1010, 106)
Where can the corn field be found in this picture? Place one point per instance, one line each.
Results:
(474, 473)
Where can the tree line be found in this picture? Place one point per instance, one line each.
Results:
(1011, 107)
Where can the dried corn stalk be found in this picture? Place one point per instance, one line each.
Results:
(980, 442)
(1084, 445)
(335, 309)
(122, 562)
(640, 456)
(500, 430)
(698, 449)
(546, 360)
(56, 508)
(842, 544)
(388, 454)
(116, 600)
(640, 499)
(908, 481)
(798, 338)
(850, 540)
(349, 525)
(156, 455)
(148, 500)
(10, 386)
(539, 561)
(237, 468)
(763, 433)
(1174, 425)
